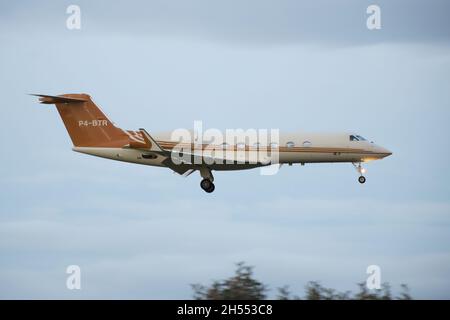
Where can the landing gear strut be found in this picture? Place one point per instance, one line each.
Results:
(207, 182)
(361, 171)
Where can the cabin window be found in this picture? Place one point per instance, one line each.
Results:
(240, 145)
(273, 145)
(290, 144)
(306, 143)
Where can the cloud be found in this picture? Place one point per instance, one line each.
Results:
(137, 253)
(256, 22)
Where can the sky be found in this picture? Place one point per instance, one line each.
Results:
(142, 232)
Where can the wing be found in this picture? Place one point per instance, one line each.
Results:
(152, 146)
(219, 157)
(185, 162)
(150, 142)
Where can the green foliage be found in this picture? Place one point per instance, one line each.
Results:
(404, 294)
(242, 286)
(315, 291)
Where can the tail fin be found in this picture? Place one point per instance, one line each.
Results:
(86, 124)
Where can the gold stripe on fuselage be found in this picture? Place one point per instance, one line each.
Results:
(170, 145)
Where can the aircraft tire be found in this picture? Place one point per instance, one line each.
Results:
(207, 185)
(211, 189)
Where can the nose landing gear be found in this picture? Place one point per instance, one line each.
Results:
(361, 171)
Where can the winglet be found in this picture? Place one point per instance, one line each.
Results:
(153, 145)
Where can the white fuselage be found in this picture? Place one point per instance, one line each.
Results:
(292, 148)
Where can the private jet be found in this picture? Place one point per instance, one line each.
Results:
(94, 134)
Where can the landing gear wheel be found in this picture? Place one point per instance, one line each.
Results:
(207, 185)
(211, 189)
(362, 179)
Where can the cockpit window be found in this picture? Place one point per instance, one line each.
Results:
(357, 138)
(361, 138)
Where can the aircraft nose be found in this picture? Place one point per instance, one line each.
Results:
(384, 152)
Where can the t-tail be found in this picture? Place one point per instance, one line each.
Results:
(86, 124)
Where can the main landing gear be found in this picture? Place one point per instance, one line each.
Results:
(207, 182)
(207, 185)
(361, 171)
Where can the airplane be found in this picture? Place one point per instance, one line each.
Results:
(94, 134)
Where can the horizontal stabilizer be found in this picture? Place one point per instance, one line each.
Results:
(45, 99)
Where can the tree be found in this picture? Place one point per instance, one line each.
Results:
(242, 286)
(315, 291)
(404, 294)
